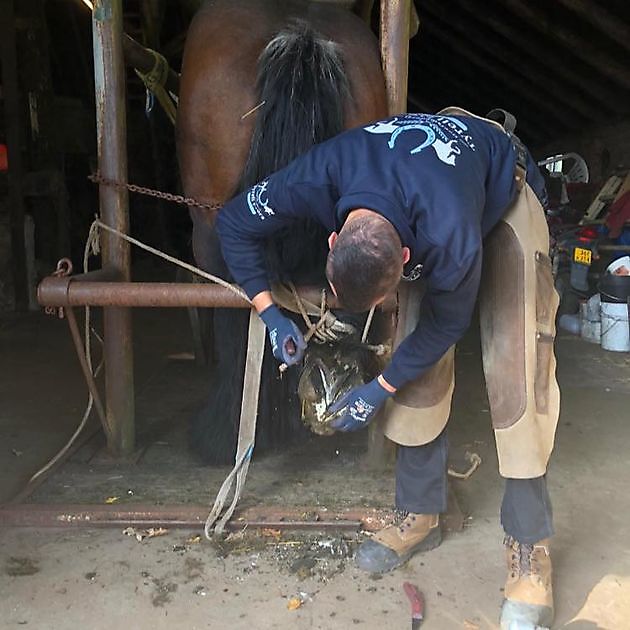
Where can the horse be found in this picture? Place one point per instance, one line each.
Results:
(262, 81)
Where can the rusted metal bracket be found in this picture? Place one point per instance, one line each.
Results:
(193, 517)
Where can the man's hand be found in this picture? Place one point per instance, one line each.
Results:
(287, 342)
(359, 406)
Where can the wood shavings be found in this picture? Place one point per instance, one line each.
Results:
(141, 534)
(294, 603)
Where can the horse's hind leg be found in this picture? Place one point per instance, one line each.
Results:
(214, 430)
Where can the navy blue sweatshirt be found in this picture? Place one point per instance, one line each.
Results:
(442, 181)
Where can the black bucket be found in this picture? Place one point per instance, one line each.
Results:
(615, 289)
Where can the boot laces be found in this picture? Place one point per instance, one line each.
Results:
(400, 516)
(522, 557)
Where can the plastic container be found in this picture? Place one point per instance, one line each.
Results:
(624, 261)
(570, 323)
(615, 331)
(590, 320)
(615, 289)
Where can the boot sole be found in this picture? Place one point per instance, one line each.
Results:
(525, 616)
(433, 540)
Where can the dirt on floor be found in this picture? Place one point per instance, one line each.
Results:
(105, 578)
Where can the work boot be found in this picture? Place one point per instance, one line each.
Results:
(528, 602)
(395, 544)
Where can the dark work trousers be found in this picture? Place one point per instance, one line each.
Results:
(422, 487)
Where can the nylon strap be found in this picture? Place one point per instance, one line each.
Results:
(247, 429)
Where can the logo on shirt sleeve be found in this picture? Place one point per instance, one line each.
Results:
(444, 134)
(258, 201)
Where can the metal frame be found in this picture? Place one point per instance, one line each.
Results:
(312, 517)
(117, 294)
(110, 288)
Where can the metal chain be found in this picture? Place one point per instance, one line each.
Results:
(151, 192)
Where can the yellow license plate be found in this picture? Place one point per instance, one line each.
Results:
(583, 256)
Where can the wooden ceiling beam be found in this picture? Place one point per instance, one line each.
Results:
(526, 89)
(518, 63)
(598, 16)
(602, 62)
(597, 88)
(479, 101)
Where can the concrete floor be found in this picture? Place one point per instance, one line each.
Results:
(96, 579)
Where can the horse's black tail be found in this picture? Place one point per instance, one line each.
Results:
(302, 87)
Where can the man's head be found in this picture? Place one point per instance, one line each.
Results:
(365, 260)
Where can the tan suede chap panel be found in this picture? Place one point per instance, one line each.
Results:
(518, 356)
(502, 311)
(420, 410)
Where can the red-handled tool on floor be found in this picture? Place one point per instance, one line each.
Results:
(417, 604)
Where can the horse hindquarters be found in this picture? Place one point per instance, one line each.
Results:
(302, 82)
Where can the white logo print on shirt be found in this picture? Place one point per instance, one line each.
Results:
(443, 134)
(258, 201)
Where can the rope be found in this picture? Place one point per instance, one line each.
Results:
(91, 247)
(176, 261)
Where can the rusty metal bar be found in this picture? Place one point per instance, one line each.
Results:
(111, 128)
(395, 19)
(394, 40)
(142, 59)
(72, 291)
(187, 516)
(190, 516)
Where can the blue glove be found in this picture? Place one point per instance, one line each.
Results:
(358, 407)
(287, 342)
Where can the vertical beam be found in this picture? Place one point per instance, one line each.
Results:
(395, 17)
(111, 129)
(13, 129)
(394, 39)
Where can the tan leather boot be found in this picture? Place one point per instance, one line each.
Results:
(528, 593)
(395, 544)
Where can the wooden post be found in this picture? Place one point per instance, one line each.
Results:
(111, 128)
(13, 129)
(395, 17)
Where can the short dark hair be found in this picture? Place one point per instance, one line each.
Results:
(365, 262)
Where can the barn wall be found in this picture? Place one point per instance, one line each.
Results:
(6, 273)
(604, 147)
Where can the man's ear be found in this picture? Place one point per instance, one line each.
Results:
(406, 253)
(331, 239)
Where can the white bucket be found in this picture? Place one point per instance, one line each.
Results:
(615, 333)
(590, 318)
